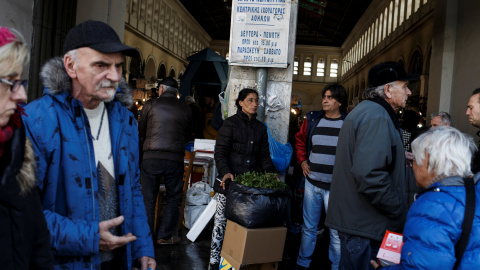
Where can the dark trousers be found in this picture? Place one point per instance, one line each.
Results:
(152, 172)
(356, 252)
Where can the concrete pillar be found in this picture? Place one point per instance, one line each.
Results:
(443, 56)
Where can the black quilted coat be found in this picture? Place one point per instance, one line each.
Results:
(242, 146)
(24, 236)
(165, 125)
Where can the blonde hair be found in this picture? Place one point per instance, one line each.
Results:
(13, 55)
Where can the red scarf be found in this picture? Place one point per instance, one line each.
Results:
(6, 132)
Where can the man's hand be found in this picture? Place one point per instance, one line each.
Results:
(375, 265)
(305, 168)
(146, 263)
(225, 177)
(109, 241)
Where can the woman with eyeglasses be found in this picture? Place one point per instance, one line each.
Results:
(24, 237)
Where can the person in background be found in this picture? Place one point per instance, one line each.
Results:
(242, 146)
(409, 123)
(434, 222)
(198, 120)
(440, 119)
(86, 145)
(369, 190)
(473, 113)
(316, 143)
(24, 236)
(208, 131)
(165, 127)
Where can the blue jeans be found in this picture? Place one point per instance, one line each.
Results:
(152, 172)
(313, 201)
(357, 252)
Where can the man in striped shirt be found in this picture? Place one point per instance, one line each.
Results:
(316, 143)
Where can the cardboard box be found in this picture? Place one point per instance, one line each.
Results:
(242, 246)
(225, 265)
(391, 249)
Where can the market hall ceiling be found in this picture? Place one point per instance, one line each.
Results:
(320, 23)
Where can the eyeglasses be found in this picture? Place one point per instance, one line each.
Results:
(15, 85)
(329, 97)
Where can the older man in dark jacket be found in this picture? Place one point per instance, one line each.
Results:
(369, 187)
(165, 127)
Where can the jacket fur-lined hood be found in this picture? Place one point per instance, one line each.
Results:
(55, 78)
(26, 177)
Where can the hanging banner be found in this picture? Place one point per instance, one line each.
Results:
(259, 33)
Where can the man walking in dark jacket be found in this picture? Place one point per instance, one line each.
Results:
(165, 127)
(369, 191)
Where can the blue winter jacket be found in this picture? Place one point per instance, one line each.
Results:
(60, 132)
(434, 225)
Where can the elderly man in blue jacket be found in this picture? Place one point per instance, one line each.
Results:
(86, 146)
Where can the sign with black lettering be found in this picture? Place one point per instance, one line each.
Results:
(259, 33)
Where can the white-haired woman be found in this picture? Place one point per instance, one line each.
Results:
(24, 237)
(434, 222)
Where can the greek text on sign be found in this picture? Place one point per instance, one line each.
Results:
(259, 33)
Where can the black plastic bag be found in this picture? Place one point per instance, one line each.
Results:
(256, 207)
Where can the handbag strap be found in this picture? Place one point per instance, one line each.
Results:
(467, 220)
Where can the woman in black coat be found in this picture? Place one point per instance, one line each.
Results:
(241, 146)
(24, 237)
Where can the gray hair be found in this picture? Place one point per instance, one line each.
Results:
(444, 117)
(73, 54)
(376, 91)
(189, 99)
(450, 152)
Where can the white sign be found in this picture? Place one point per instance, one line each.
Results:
(259, 33)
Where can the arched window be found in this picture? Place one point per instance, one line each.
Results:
(380, 29)
(162, 72)
(150, 68)
(395, 16)
(372, 41)
(307, 67)
(136, 66)
(416, 63)
(172, 73)
(417, 5)
(295, 66)
(385, 20)
(334, 68)
(409, 9)
(368, 40)
(321, 67)
(180, 76)
(390, 18)
(402, 12)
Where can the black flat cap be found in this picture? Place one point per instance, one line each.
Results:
(98, 36)
(386, 72)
